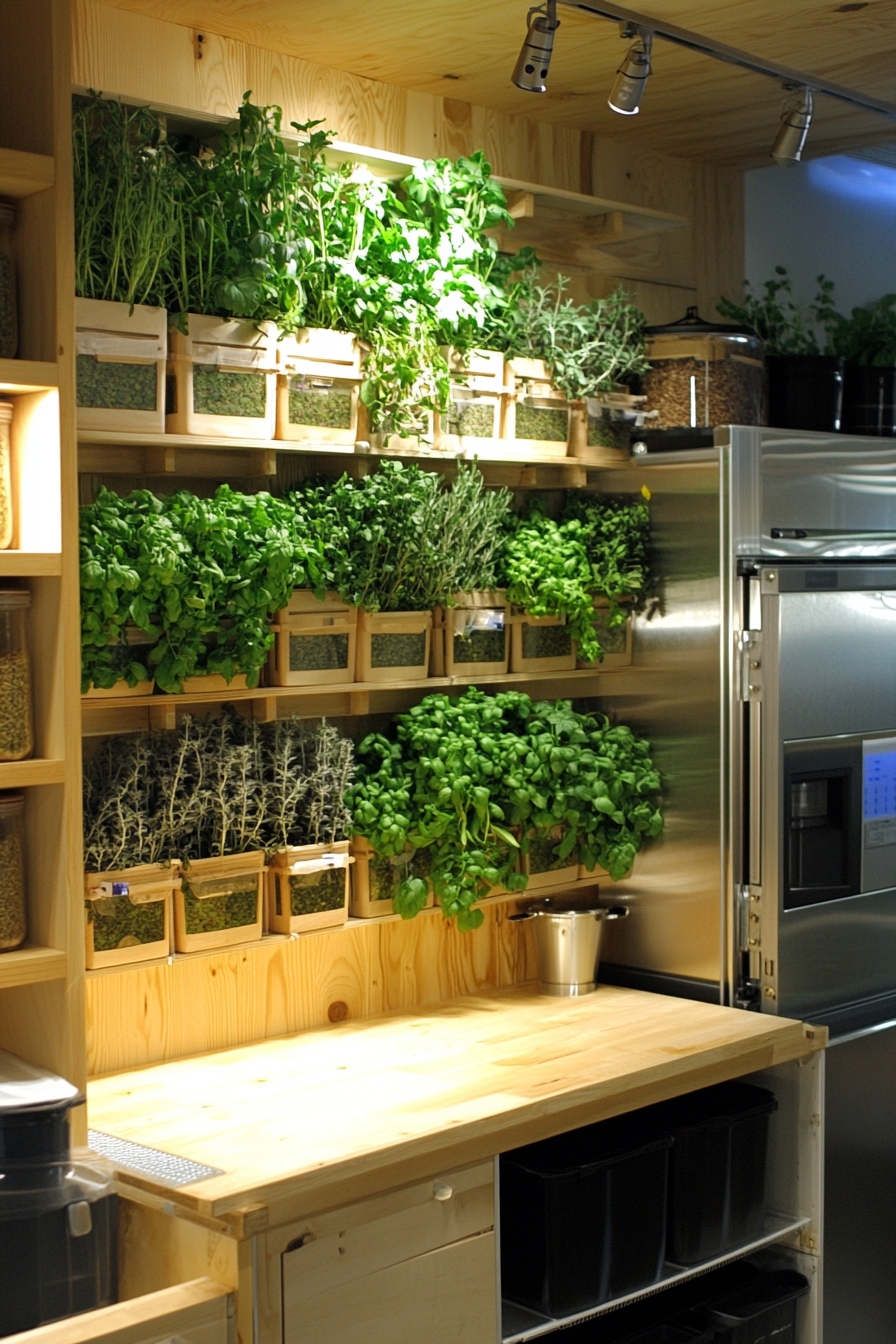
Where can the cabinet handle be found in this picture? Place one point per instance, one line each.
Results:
(441, 1191)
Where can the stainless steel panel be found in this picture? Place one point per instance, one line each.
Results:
(860, 1181)
(838, 491)
(673, 697)
(835, 953)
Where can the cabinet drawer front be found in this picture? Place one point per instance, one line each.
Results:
(448, 1296)
(338, 1247)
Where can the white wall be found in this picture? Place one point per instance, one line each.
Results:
(836, 216)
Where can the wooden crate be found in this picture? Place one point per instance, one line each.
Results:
(524, 642)
(377, 633)
(216, 358)
(213, 681)
(533, 405)
(219, 879)
(617, 643)
(549, 877)
(306, 865)
(109, 339)
(145, 884)
(601, 428)
(135, 639)
(331, 625)
(478, 396)
(367, 899)
(318, 382)
(485, 617)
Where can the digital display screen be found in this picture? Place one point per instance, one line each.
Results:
(879, 784)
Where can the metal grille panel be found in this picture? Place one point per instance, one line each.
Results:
(149, 1161)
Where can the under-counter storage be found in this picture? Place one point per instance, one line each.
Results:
(413, 1265)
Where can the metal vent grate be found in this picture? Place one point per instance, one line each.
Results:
(149, 1161)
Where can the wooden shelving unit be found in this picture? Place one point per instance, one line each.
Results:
(27, 375)
(32, 966)
(23, 174)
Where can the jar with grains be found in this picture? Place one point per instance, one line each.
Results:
(6, 409)
(12, 871)
(9, 321)
(704, 374)
(16, 714)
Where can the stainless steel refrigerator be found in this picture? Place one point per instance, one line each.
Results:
(764, 673)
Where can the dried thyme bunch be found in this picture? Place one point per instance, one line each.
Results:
(124, 822)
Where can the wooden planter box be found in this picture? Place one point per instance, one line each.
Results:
(601, 428)
(308, 887)
(375, 880)
(617, 643)
(212, 681)
(534, 648)
(120, 366)
(131, 910)
(386, 442)
(135, 639)
(536, 416)
(393, 646)
(542, 867)
(318, 387)
(478, 397)
(316, 642)
(222, 379)
(219, 902)
(472, 637)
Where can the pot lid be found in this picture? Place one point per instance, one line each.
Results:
(692, 324)
(24, 1087)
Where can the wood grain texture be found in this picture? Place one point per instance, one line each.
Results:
(195, 1311)
(145, 1014)
(31, 965)
(292, 1120)
(695, 107)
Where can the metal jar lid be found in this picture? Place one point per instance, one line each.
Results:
(14, 597)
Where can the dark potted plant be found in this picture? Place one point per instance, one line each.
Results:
(805, 384)
(867, 340)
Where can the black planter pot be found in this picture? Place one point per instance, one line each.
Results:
(805, 392)
(869, 402)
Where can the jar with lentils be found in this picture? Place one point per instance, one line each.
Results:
(704, 374)
(16, 712)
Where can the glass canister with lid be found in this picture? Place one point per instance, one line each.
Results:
(6, 413)
(16, 713)
(13, 925)
(704, 374)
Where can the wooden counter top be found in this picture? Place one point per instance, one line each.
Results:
(315, 1120)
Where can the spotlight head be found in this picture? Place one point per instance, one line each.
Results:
(631, 77)
(531, 69)
(796, 118)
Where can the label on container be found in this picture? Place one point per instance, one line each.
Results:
(114, 889)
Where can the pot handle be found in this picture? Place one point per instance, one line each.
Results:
(523, 914)
(617, 912)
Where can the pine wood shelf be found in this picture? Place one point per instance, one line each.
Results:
(30, 564)
(24, 174)
(25, 774)
(31, 966)
(26, 375)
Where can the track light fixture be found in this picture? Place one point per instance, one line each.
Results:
(531, 69)
(796, 117)
(631, 77)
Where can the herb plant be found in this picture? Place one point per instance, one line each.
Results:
(785, 326)
(588, 348)
(470, 779)
(548, 572)
(867, 338)
(125, 214)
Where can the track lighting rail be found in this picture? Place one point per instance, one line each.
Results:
(720, 51)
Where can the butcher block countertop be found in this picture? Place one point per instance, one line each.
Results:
(320, 1119)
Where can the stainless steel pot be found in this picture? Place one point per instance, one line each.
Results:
(568, 947)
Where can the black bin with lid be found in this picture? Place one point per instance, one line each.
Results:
(763, 1312)
(583, 1215)
(58, 1226)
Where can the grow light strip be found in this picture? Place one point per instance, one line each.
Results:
(543, 1325)
(149, 1161)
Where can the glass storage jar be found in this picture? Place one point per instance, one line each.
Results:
(6, 410)
(9, 322)
(12, 871)
(704, 374)
(16, 714)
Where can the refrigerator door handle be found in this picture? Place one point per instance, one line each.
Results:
(755, 804)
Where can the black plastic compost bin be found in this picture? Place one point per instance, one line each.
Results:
(583, 1215)
(764, 1312)
(717, 1170)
